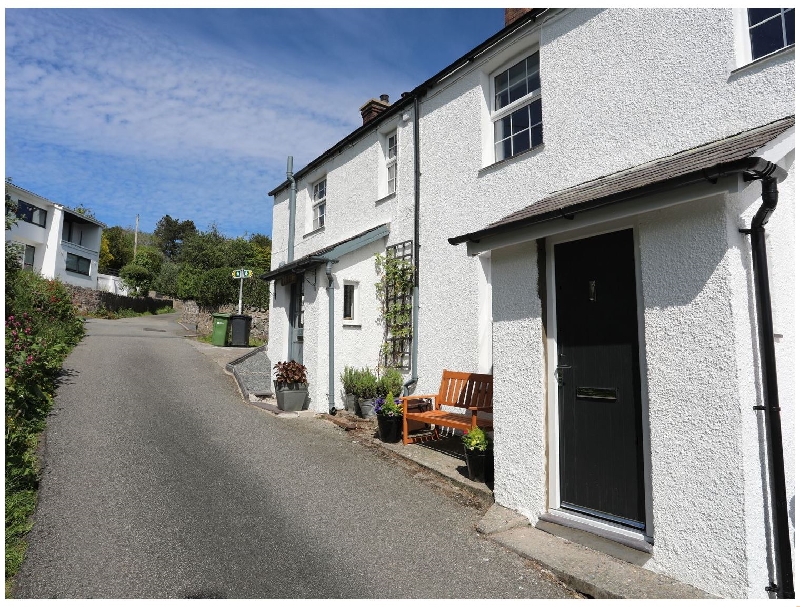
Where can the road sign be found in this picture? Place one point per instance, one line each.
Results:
(242, 274)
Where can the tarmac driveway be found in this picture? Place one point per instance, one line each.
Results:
(160, 482)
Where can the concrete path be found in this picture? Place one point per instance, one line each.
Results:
(161, 482)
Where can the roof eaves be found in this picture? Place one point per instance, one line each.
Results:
(556, 205)
(408, 98)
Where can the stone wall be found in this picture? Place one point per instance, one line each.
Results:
(91, 300)
(195, 316)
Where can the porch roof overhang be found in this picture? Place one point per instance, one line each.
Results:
(329, 253)
(704, 164)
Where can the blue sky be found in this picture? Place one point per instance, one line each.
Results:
(192, 112)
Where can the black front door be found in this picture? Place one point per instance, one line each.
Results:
(599, 396)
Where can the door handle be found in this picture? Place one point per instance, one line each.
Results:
(559, 373)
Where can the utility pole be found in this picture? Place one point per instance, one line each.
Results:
(136, 236)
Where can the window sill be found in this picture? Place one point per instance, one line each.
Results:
(351, 323)
(314, 232)
(386, 198)
(490, 167)
(74, 273)
(757, 62)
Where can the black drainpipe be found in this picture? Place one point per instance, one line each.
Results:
(784, 588)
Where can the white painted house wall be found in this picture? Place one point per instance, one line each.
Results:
(356, 201)
(51, 242)
(620, 87)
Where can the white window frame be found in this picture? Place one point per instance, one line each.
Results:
(528, 99)
(318, 202)
(356, 318)
(391, 163)
(744, 47)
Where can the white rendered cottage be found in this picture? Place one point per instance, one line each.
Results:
(595, 176)
(56, 241)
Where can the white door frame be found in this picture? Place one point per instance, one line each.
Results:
(601, 527)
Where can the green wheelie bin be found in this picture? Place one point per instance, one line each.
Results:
(221, 335)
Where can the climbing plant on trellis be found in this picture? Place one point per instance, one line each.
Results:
(394, 290)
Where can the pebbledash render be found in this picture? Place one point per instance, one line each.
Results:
(598, 172)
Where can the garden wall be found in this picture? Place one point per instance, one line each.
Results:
(90, 300)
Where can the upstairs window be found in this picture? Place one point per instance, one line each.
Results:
(391, 162)
(517, 109)
(318, 204)
(31, 214)
(771, 29)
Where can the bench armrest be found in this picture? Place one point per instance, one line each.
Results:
(406, 400)
(486, 408)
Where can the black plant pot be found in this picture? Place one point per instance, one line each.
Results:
(476, 464)
(390, 428)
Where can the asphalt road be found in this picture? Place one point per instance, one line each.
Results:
(160, 482)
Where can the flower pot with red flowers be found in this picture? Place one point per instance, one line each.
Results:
(291, 386)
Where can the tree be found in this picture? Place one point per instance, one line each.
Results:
(136, 278)
(13, 250)
(120, 247)
(106, 258)
(171, 233)
(85, 211)
(204, 250)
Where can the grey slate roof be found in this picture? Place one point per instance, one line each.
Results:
(702, 158)
(320, 256)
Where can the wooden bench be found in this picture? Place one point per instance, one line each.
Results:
(470, 391)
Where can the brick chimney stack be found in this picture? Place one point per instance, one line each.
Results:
(512, 14)
(373, 107)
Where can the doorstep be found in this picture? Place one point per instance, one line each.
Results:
(590, 572)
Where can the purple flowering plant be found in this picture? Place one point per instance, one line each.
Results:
(388, 407)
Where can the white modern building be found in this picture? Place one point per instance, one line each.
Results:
(57, 242)
(588, 194)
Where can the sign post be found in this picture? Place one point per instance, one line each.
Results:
(241, 275)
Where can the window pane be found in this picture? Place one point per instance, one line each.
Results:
(516, 73)
(502, 128)
(767, 37)
(757, 15)
(27, 261)
(536, 112)
(518, 91)
(789, 20)
(348, 301)
(533, 82)
(501, 81)
(502, 150)
(536, 135)
(501, 100)
(522, 142)
(520, 120)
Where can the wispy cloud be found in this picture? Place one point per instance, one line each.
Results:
(190, 113)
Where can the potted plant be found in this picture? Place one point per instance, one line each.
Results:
(291, 385)
(366, 391)
(390, 418)
(349, 379)
(475, 448)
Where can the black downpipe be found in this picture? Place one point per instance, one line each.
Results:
(769, 195)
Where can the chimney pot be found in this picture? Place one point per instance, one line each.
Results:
(373, 108)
